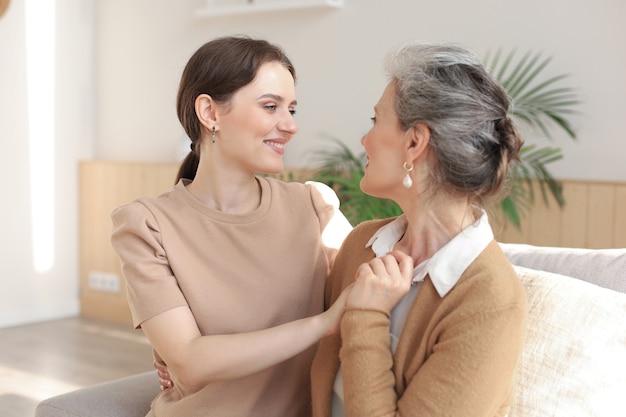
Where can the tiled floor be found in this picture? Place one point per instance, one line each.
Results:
(41, 360)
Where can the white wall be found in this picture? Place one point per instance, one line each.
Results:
(25, 294)
(143, 45)
(119, 65)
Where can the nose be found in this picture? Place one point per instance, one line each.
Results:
(288, 124)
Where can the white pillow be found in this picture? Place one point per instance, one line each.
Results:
(604, 267)
(574, 358)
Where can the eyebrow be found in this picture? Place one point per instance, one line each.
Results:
(276, 97)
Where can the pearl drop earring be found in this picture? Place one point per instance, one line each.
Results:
(407, 181)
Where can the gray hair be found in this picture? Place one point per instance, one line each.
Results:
(447, 88)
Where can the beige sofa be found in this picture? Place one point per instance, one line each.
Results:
(573, 364)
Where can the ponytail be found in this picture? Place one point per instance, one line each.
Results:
(188, 167)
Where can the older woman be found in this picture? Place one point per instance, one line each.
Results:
(435, 322)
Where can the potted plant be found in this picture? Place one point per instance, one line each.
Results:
(540, 104)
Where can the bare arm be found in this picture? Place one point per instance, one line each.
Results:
(194, 360)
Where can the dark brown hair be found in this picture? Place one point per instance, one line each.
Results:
(219, 68)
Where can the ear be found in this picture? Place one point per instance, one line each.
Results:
(205, 110)
(419, 137)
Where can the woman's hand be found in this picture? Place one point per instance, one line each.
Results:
(334, 314)
(382, 282)
(289, 334)
(165, 379)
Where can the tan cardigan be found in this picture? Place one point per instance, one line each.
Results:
(456, 356)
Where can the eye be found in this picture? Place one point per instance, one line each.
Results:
(271, 107)
(292, 112)
(373, 119)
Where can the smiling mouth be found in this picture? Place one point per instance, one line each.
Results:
(276, 145)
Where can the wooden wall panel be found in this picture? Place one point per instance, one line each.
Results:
(619, 231)
(543, 214)
(574, 215)
(601, 216)
(594, 216)
(103, 187)
(506, 232)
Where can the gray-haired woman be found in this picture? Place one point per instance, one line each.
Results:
(435, 322)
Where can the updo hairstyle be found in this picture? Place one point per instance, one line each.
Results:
(447, 88)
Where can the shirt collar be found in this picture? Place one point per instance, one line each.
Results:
(447, 265)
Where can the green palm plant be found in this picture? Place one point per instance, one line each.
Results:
(538, 104)
(342, 170)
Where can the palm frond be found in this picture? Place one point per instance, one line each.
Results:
(342, 170)
(535, 101)
(541, 104)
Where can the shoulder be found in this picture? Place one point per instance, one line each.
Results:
(315, 195)
(365, 230)
(312, 189)
(132, 212)
(144, 211)
(492, 277)
(328, 194)
(354, 248)
(281, 190)
(147, 206)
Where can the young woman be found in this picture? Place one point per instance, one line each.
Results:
(225, 273)
(435, 321)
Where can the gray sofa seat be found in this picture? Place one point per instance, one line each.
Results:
(125, 397)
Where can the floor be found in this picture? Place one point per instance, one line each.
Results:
(42, 360)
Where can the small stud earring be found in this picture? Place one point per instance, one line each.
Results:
(407, 181)
(213, 135)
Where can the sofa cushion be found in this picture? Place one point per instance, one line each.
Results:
(604, 267)
(125, 397)
(574, 358)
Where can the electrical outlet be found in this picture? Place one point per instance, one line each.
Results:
(104, 281)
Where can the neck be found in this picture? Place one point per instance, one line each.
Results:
(432, 226)
(228, 191)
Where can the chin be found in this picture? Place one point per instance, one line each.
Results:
(369, 190)
(272, 170)
(363, 186)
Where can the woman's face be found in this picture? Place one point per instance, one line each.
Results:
(258, 123)
(383, 148)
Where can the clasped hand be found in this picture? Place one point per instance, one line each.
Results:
(382, 282)
(379, 284)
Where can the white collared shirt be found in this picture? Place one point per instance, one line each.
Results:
(445, 268)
